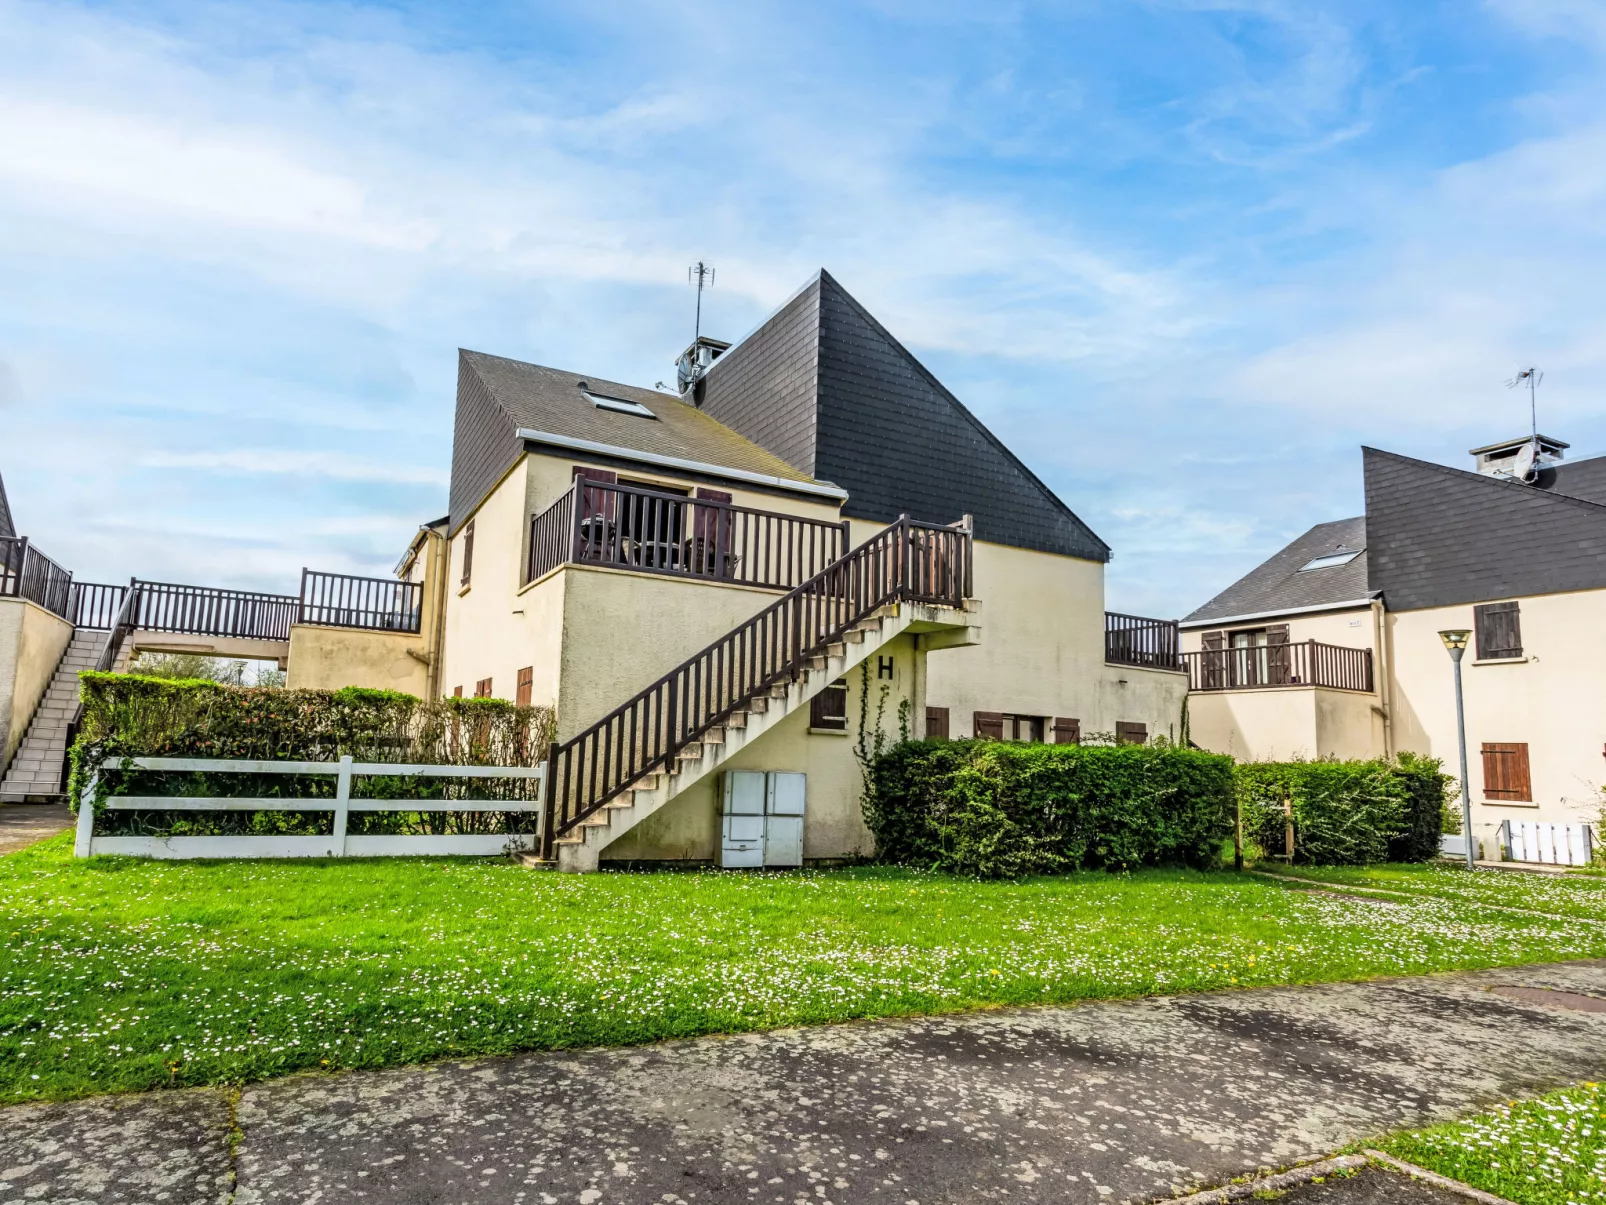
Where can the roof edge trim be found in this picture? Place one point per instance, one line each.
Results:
(817, 489)
(1335, 606)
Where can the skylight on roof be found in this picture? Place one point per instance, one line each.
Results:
(1330, 561)
(603, 402)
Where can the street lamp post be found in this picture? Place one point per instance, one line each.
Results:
(1455, 641)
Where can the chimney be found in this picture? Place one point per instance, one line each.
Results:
(1503, 459)
(696, 360)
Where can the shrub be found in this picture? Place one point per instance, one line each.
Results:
(1345, 813)
(1000, 810)
(127, 715)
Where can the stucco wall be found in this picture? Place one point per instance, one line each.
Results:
(328, 658)
(1553, 700)
(1349, 629)
(833, 826)
(1287, 722)
(32, 641)
(1042, 650)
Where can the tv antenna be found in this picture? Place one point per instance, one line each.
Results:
(701, 275)
(1530, 377)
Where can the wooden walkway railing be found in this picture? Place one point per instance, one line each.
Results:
(908, 561)
(25, 572)
(1133, 640)
(625, 527)
(379, 604)
(1308, 663)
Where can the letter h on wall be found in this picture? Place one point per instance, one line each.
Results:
(883, 667)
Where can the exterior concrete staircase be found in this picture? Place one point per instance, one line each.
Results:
(607, 779)
(580, 851)
(35, 772)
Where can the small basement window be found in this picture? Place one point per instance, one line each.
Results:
(603, 402)
(1330, 561)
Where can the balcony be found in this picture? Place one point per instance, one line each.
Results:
(1308, 663)
(624, 527)
(1133, 640)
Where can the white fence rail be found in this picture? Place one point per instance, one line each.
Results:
(337, 843)
(1556, 844)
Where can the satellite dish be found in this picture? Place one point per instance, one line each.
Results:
(1525, 466)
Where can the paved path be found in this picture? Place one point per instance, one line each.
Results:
(24, 823)
(1095, 1104)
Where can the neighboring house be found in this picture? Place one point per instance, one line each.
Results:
(1331, 647)
(709, 582)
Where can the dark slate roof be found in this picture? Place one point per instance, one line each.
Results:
(1584, 479)
(1438, 536)
(7, 527)
(496, 397)
(823, 384)
(1278, 584)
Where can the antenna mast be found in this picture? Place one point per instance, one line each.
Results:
(1530, 377)
(699, 274)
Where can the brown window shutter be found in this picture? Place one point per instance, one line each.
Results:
(936, 723)
(829, 708)
(457, 692)
(526, 685)
(1129, 732)
(1505, 771)
(604, 476)
(482, 689)
(1212, 642)
(468, 552)
(708, 495)
(1276, 633)
(1279, 657)
(1498, 629)
(1067, 731)
(990, 724)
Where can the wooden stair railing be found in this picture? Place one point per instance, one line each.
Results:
(907, 561)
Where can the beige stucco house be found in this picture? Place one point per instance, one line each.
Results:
(1331, 648)
(814, 543)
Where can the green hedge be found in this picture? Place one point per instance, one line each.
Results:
(127, 715)
(994, 810)
(1346, 813)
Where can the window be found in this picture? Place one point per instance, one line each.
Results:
(1505, 772)
(1006, 726)
(1128, 732)
(468, 551)
(526, 683)
(1330, 561)
(482, 689)
(1067, 731)
(1499, 630)
(828, 710)
(936, 723)
(603, 402)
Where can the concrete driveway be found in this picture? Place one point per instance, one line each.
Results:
(1100, 1103)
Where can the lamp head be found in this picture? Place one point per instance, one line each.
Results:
(1455, 641)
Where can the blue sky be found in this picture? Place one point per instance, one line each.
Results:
(1185, 257)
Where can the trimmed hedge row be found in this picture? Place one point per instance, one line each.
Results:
(129, 715)
(1000, 810)
(1346, 813)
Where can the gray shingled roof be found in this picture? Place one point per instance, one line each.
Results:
(496, 397)
(1440, 536)
(1584, 479)
(1278, 584)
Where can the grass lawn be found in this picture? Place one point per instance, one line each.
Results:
(1580, 895)
(122, 974)
(1550, 1151)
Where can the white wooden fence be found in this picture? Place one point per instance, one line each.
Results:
(1557, 844)
(337, 843)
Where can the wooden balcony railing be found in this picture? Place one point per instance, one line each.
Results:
(208, 611)
(339, 600)
(1133, 640)
(25, 572)
(630, 528)
(1308, 663)
(905, 561)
